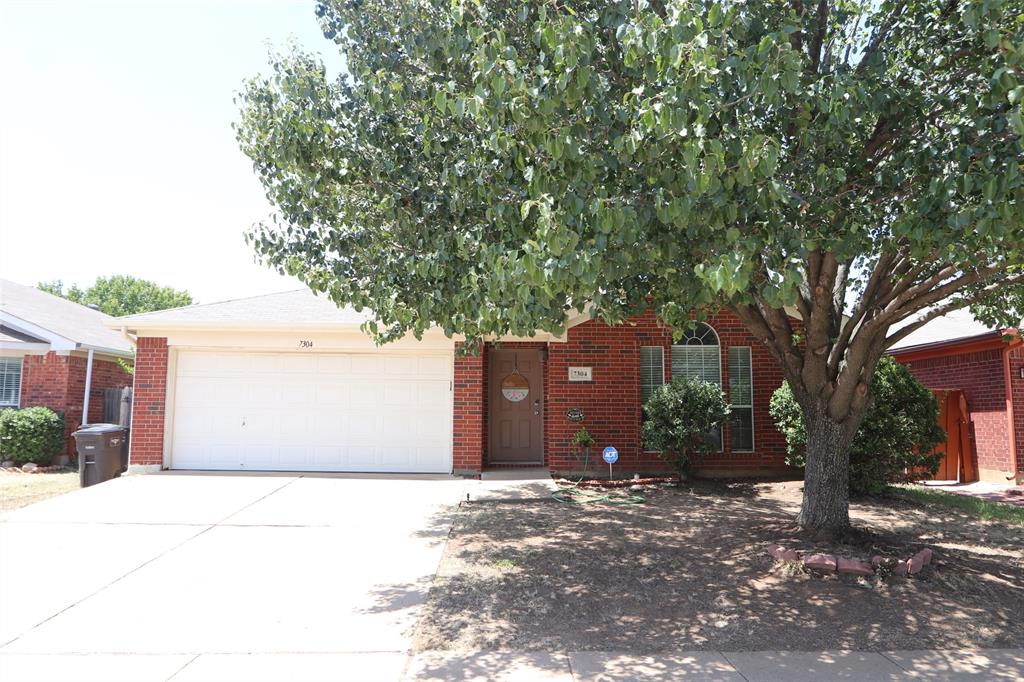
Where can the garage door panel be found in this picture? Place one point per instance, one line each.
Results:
(312, 412)
(366, 366)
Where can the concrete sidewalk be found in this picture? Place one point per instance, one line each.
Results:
(508, 666)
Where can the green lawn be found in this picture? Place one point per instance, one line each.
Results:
(983, 509)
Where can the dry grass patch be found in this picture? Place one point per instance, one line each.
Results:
(688, 570)
(20, 490)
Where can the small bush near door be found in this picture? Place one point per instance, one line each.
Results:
(32, 434)
(899, 431)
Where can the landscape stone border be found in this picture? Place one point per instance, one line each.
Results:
(828, 563)
(31, 468)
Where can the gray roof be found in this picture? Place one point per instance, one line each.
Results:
(53, 315)
(14, 336)
(289, 308)
(953, 326)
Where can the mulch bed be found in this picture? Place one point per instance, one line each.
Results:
(689, 570)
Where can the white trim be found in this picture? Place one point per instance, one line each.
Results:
(169, 412)
(56, 341)
(10, 348)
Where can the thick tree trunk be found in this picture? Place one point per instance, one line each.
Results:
(825, 505)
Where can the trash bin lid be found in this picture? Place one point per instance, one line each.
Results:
(98, 429)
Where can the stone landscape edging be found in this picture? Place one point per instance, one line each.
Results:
(828, 563)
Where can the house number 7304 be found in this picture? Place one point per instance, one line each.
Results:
(305, 343)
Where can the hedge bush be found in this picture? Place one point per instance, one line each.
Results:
(32, 434)
(899, 431)
(678, 417)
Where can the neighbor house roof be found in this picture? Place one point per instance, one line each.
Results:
(288, 309)
(31, 316)
(956, 327)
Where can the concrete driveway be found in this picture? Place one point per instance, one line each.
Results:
(214, 576)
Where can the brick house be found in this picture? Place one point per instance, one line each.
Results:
(58, 354)
(289, 382)
(956, 352)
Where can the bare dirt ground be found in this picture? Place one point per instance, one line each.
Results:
(20, 490)
(689, 570)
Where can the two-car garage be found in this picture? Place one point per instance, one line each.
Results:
(311, 411)
(287, 382)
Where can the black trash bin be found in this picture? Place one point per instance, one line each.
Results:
(101, 451)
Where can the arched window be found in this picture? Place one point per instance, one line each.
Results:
(698, 355)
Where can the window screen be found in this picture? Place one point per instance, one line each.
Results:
(741, 397)
(652, 370)
(10, 382)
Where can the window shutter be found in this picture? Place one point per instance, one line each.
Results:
(652, 370)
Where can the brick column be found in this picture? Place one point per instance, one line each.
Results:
(468, 420)
(148, 408)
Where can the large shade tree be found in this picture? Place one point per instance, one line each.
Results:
(835, 173)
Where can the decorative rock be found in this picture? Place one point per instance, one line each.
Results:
(7, 465)
(854, 567)
(925, 555)
(901, 568)
(789, 555)
(30, 466)
(877, 560)
(774, 550)
(820, 562)
(916, 563)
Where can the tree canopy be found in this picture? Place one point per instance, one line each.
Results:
(486, 166)
(121, 295)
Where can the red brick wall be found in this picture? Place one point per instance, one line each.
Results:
(980, 376)
(611, 402)
(148, 408)
(58, 382)
(469, 416)
(1017, 389)
(44, 383)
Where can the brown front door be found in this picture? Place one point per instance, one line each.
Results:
(516, 400)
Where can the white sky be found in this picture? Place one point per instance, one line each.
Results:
(116, 152)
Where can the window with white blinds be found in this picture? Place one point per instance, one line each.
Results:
(698, 356)
(741, 398)
(652, 370)
(10, 382)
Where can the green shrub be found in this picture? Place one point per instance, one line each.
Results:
(678, 418)
(899, 431)
(32, 434)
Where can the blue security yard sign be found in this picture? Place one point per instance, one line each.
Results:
(610, 455)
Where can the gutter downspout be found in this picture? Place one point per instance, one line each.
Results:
(88, 387)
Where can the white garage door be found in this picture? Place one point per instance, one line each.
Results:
(312, 412)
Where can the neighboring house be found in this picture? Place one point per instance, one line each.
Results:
(57, 354)
(957, 353)
(289, 382)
